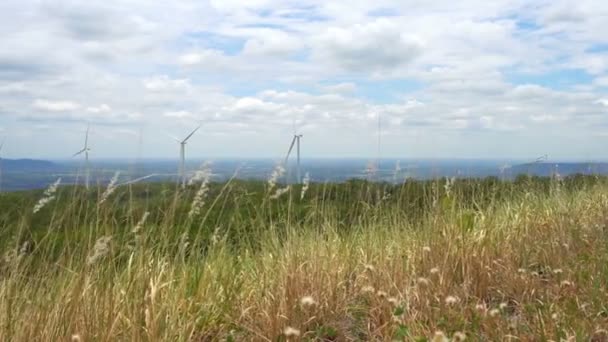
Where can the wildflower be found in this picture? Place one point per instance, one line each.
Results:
(199, 197)
(111, 188)
(426, 249)
(459, 336)
(280, 192)
(306, 183)
(494, 312)
(451, 300)
(423, 282)
(291, 332)
(502, 306)
(101, 249)
(439, 337)
(521, 270)
(307, 301)
(554, 316)
(140, 225)
(49, 195)
(381, 294)
(558, 271)
(434, 270)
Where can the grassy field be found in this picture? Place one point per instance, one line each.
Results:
(257, 261)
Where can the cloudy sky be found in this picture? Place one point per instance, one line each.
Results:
(463, 79)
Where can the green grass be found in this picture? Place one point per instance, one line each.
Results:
(352, 261)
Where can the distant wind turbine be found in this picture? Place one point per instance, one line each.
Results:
(295, 141)
(541, 159)
(503, 168)
(182, 157)
(85, 150)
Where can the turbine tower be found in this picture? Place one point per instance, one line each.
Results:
(182, 157)
(85, 150)
(295, 141)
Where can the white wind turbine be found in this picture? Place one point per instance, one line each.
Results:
(182, 156)
(295, 141)
(85, 150)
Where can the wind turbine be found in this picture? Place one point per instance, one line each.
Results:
(182, 157)
(85, 150)
(295, 141)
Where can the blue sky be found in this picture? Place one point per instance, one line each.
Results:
(472, 79)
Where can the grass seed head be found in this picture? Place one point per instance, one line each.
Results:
(439, 336)
(452, 300)
(459, 336)
(307, 301)
(290, 332)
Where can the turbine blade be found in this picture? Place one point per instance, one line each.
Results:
(189, 135)
(173, 137)
(78, 153)
(290, 148)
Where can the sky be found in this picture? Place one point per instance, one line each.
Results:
(445, 79)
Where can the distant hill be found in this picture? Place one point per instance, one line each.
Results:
(564, 169)
(14, 165)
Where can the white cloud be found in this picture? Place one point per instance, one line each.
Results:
(164, 82)
(180, 114)
(273, 43)
(445, 77)
(341, 88)
(55, 106)
(208, 58)
(378, 45)
(601, 81)
(103, 108)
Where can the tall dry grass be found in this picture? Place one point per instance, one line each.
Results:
(531, 267)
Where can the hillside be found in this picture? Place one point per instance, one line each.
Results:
(258, 261)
